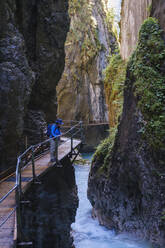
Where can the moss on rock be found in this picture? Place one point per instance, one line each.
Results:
(147, 67)
(114, 84)
(115, 74)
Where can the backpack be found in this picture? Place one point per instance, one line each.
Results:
(49, 132)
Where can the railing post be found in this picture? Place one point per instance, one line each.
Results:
(20, 181)
(71, 139)
(56, 149)
(33, 164)
(81, 130)
(18, 215)
(18, 201)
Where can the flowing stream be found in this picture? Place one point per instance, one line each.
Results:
(87, 232)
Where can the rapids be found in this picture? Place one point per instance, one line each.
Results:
(87, 232)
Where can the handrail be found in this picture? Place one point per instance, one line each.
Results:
(9, 215)
(5, 196)
(33, 148)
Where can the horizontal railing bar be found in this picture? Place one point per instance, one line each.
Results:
(5, 196)
(70, 121)
(25, 152)
(78, 131)
(48, 140)
(1, 224)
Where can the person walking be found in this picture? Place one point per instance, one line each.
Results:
(54, 132)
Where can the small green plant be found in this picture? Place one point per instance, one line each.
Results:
(103, 152)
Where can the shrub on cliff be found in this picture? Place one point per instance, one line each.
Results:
(147, 67)
(114, 84)
(146, 70)
(115, 74)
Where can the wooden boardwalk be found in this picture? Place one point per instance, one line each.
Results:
(41, 165)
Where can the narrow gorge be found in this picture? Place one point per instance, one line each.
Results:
(78, 60)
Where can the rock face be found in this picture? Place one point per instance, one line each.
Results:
(157, 11)
(47, 219)
(16, 80)
(133, 13)
(89, 43)
(126, 185)
(32, 36)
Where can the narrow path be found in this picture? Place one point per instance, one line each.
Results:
(41, 166)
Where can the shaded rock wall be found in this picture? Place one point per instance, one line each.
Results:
(32, 36)
(89, 42)
(47, 219)
(16, 80)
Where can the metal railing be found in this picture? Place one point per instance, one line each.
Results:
(28, 158)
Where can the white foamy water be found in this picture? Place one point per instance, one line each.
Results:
(87, 232)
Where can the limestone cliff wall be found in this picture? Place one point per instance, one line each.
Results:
(133, 13)
(89, 42)
(32, 36)
(157, 11)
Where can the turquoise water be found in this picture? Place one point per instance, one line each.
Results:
(87, 232)
(87, 156)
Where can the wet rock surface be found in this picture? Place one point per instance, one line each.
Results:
(52, 209)
(32, 36)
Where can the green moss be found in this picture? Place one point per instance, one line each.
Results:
(147, 73)
(149, 9)
(115, 74)
(146, 70)
(103, 152)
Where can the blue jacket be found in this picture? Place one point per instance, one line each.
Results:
(55, 131)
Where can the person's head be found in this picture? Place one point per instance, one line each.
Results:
(59, 122)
